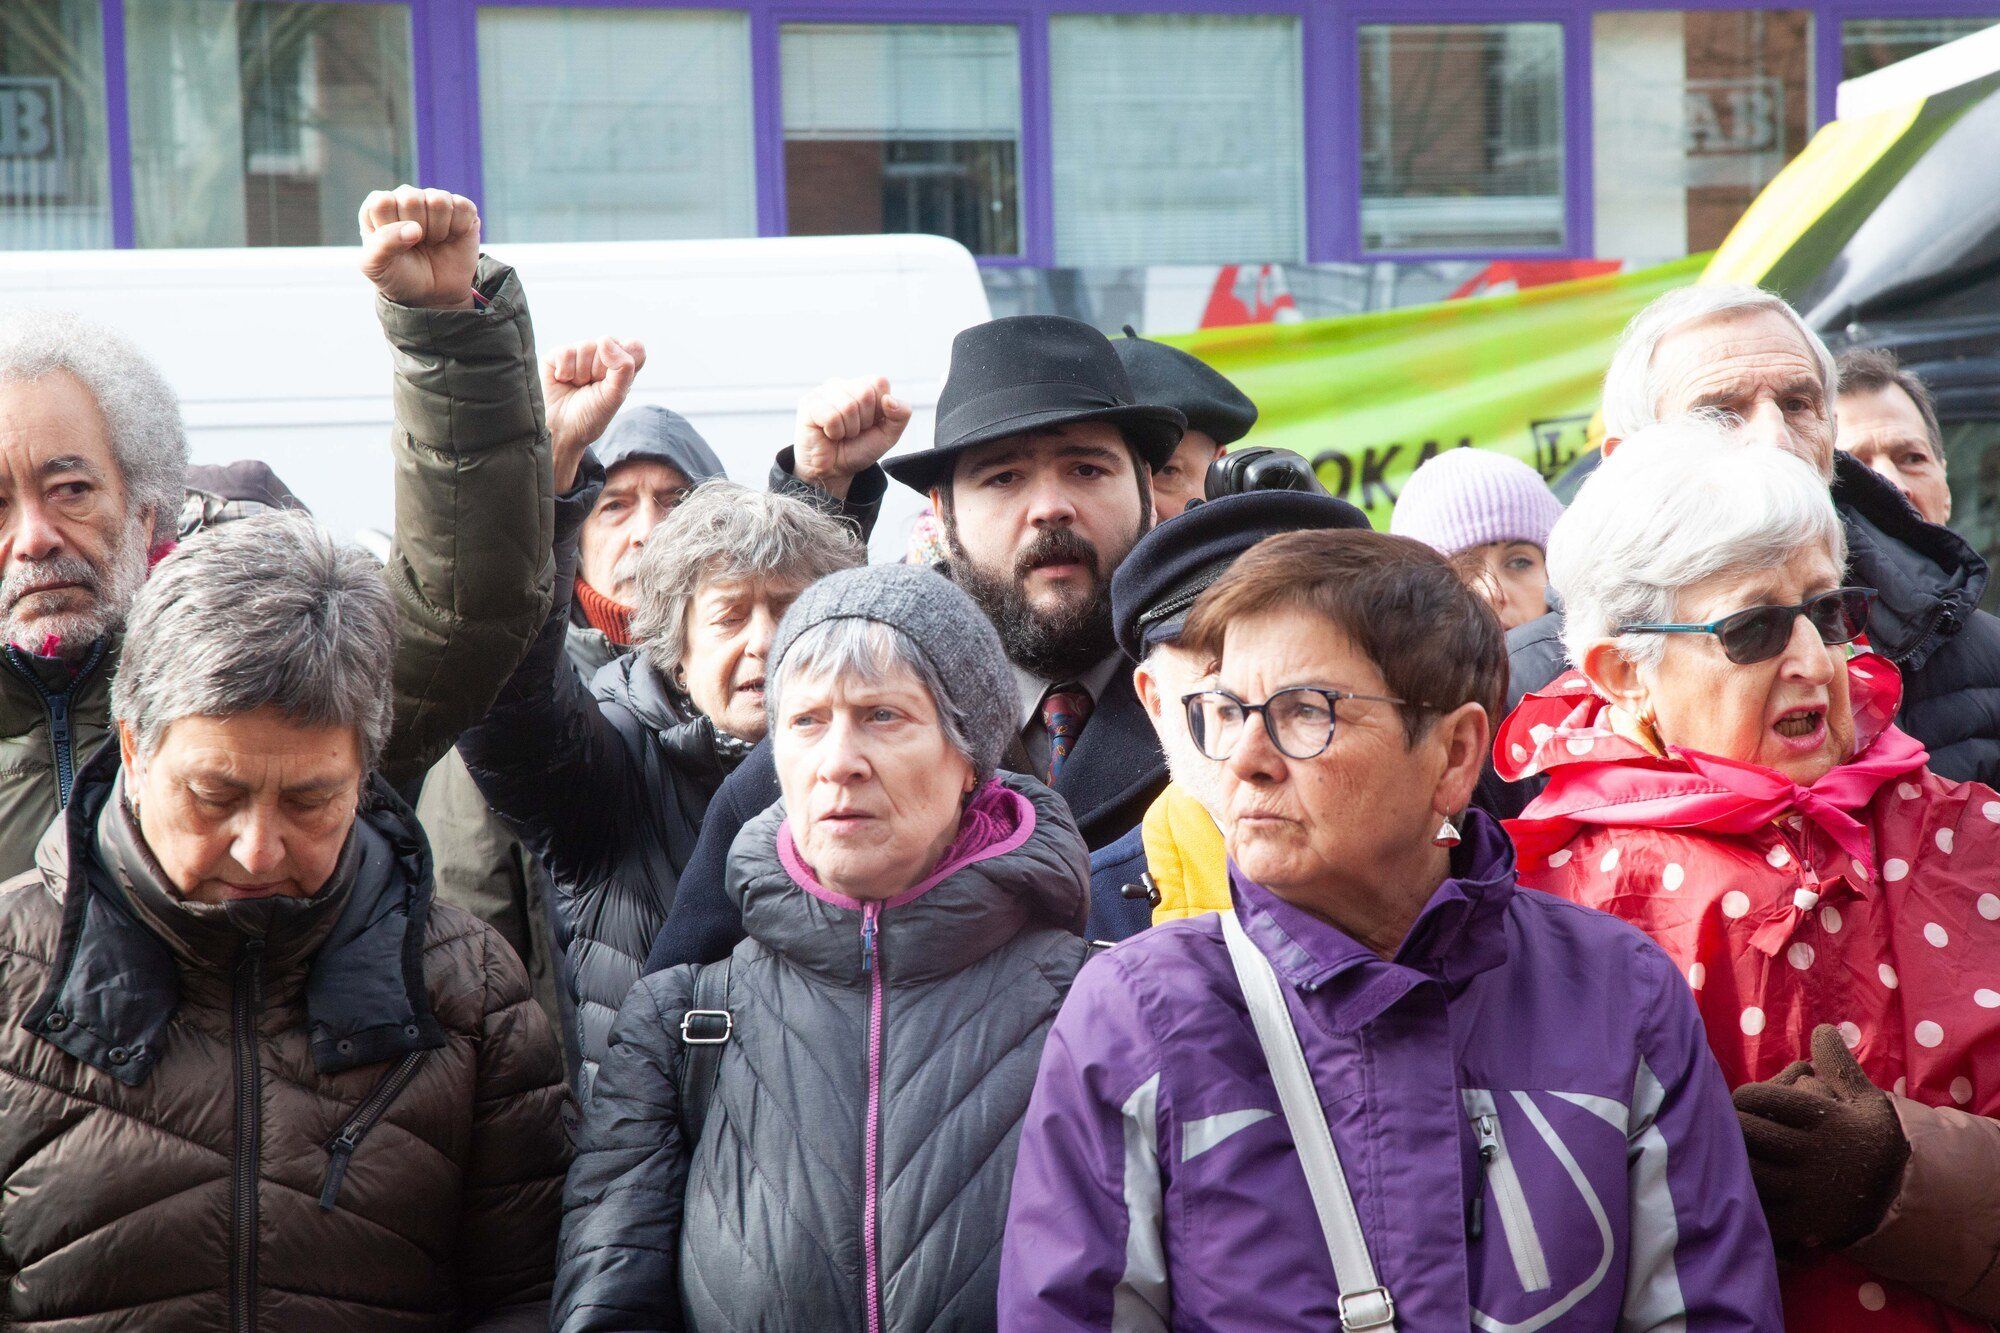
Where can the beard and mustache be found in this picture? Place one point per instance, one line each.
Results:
(1056, 643)
(95, 603)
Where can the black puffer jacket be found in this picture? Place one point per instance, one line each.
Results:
(1927, 621)
(607, 785)
(887, 1082)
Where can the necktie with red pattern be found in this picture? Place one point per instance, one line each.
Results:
(1065, 708)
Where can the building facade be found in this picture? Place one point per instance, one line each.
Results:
(1062, 141)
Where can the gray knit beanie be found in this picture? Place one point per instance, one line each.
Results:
(943, 623)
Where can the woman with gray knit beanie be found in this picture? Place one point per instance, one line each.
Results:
(819, 1131)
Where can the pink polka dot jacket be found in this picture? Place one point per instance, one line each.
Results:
(1869, 900)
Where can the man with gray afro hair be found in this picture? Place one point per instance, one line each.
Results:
(1744, 357)
(93, 464)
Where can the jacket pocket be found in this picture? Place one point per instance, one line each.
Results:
(1510, 1201)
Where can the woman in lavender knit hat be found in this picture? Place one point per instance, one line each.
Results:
(1491, 515)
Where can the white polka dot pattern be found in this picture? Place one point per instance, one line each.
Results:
(1753, 1021)
(1928, 1034)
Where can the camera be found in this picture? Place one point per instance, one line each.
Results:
(1259, 469)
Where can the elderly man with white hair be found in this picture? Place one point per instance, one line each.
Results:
(1726, 773)
(92, 461)
(1744, 353)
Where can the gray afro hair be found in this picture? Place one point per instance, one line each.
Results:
(140, 409)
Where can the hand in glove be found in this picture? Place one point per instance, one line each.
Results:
(1826, 1148)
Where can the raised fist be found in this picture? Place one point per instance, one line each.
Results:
(844, 428)
(420, 247)
(583, 386)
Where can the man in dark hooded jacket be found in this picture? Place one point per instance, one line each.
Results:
(1745, 352)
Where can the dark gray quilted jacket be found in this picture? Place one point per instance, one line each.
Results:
(762, 1225)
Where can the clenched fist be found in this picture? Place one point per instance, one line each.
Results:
(844, 428)
(583, 386)
(420, 247)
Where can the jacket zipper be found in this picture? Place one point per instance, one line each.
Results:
(248, 1005)
(58, 709)
(340, 1148)
(1531, 1265)
(871, 964)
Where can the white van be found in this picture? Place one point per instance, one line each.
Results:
(277, 355)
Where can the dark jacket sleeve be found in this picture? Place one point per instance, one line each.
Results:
(619, 1264)
(470, 565)
(513, 1179)
(862, 506)
(545, 757)
(1942, 1232)
(703, 925)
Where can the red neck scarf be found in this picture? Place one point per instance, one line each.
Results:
(605, 616)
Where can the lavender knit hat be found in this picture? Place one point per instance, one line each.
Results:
(1468, 497)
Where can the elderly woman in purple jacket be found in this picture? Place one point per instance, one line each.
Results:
(1496, 1110)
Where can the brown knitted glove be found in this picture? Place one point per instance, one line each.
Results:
(1826, 1148)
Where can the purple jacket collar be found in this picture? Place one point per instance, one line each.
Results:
(1459, 934)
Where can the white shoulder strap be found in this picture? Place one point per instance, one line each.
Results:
(1364, 1302)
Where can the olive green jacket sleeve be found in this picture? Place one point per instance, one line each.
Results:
(472, 565)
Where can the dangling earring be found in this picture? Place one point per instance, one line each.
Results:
(1447, 834)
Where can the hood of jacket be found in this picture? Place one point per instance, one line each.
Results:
(131, 949)
(1929, 579)
(1017, 861)
(649, 431)
(697, 747)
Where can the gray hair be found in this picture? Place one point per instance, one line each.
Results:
(1678, 503)
(727, 531)
(1632, 390)
(867, 652)
(269, 611)
(141, 411)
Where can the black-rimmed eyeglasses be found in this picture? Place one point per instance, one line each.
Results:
(1298, 720)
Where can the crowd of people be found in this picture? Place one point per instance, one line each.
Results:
(1160, 902)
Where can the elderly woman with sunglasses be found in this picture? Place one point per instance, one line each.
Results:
(1725, 773)
(1386, 1088)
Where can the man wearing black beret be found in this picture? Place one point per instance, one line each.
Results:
(1174, 860)
(1218, 415)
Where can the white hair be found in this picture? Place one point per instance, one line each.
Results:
(724, 530)
(141, 412)
(1177, 672)
(1676, 504)
(1632, 391)
(270, 611)
(866, 652)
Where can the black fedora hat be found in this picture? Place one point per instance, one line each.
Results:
(1030, 372)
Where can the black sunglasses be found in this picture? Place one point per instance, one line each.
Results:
(1760, 633)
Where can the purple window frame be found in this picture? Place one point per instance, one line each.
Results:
(444, 66)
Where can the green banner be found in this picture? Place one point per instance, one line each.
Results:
(1369, 397)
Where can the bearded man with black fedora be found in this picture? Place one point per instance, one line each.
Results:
(1040, 472)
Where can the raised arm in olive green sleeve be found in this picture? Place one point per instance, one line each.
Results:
(472, 564)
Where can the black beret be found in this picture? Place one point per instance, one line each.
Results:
(1164, 376)
(1175, 563)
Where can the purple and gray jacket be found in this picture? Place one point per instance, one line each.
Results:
(1523, 1101)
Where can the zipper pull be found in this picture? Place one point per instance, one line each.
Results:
(1488, 1134)
(338, 1154)
(868, 914)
